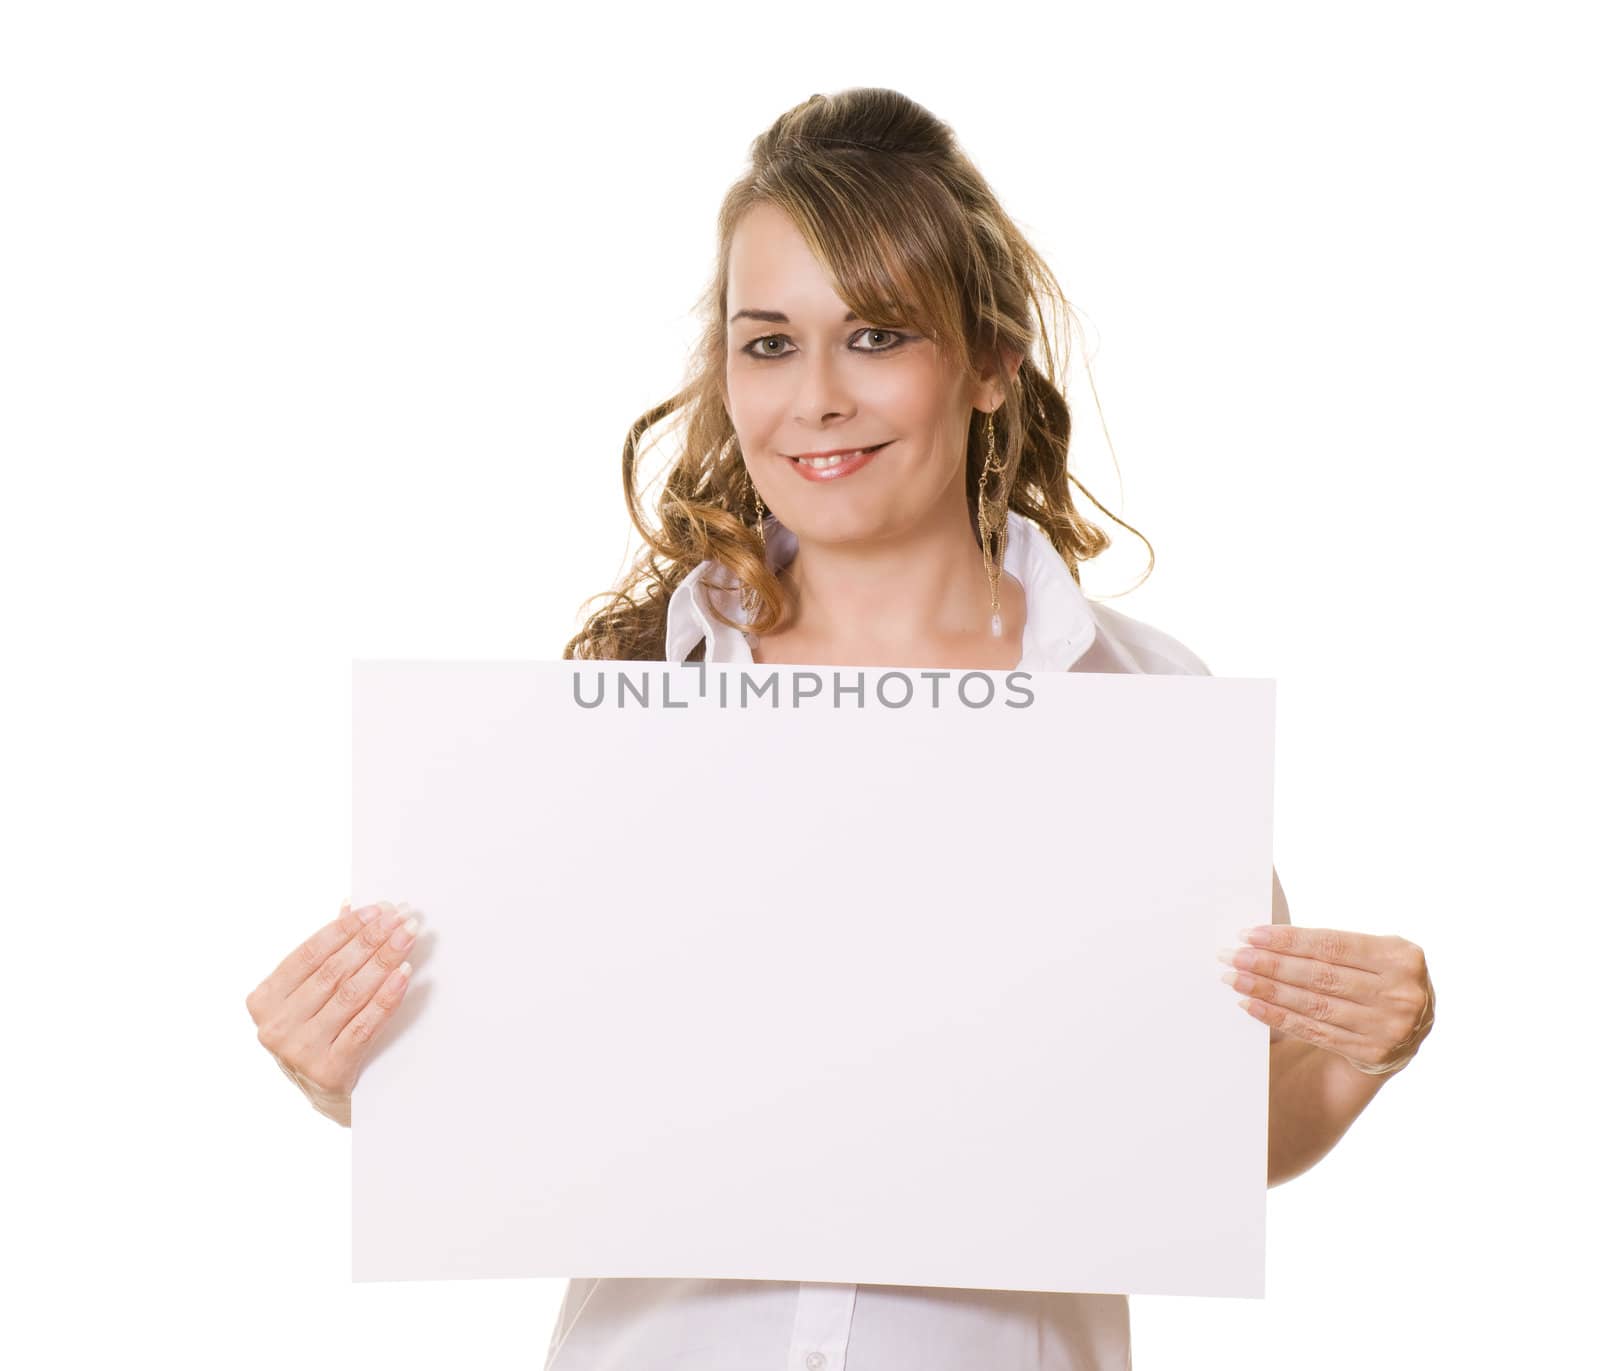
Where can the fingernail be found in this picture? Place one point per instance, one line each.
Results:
(367, 913)
(1225, 956)
(1251, 935)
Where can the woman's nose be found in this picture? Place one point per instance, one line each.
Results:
(822, 392)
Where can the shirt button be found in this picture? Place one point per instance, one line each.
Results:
(815, 1361)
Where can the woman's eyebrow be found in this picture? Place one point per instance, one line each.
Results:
(772, 316)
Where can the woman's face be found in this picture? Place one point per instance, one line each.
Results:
(804, 379)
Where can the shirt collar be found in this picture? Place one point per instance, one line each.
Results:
(1059, 627)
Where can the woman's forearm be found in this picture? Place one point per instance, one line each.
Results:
(1313, 1096)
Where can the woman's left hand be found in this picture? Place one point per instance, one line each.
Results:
(1363, 996)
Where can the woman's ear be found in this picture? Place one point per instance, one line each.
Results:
(992, 388)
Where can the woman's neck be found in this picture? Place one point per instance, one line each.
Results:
(917, 598)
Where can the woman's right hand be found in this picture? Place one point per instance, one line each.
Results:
(320, 1011)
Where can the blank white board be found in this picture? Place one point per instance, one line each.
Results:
(815, 974)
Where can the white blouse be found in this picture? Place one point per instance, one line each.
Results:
(649, 1324)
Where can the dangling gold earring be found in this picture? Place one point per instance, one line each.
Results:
(992, 523)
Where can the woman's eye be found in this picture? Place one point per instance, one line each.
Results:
(758, 347)
(761, 347)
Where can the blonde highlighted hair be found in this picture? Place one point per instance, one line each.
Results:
(913, 237)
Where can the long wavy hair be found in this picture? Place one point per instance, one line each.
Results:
(913, 237)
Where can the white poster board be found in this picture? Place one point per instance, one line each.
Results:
(815, 983)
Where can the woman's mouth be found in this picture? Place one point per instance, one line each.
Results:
(838, 465)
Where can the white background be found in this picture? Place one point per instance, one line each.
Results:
(322, 326)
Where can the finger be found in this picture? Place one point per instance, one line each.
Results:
(352, 993)
(1326, 978)
(303, 962)
(1290, 1021)
(355, 1039)
(1308, 1004)
(307, 999)
(1363, 951)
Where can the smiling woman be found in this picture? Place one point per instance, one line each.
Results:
(876, 366)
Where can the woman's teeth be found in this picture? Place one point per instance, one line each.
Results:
(835, 459)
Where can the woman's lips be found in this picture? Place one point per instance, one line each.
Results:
(838, 469)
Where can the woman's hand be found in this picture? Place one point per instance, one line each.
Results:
(1368, 998)
(319, 1012)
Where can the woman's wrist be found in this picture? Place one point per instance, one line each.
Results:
(337, 1109)
(326, 1102)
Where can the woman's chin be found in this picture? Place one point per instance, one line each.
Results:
(838, 526)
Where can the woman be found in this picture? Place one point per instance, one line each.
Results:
(868, 374)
